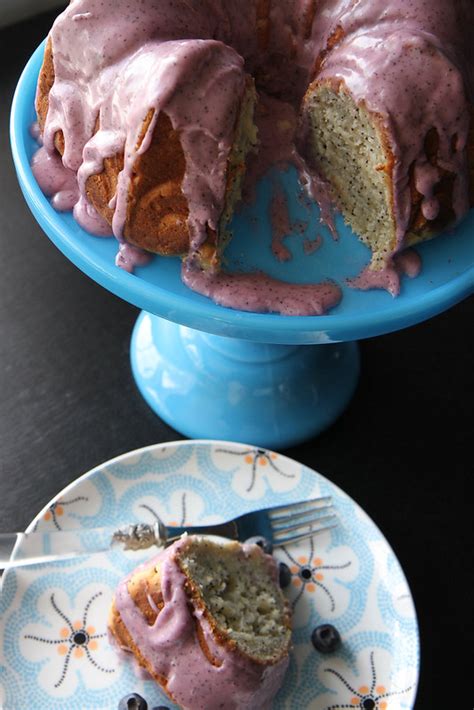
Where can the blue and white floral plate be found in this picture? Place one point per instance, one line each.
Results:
(54, 649)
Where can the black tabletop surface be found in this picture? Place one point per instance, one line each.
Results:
(402, 449)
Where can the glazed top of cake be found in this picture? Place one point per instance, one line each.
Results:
(118, 61)
(172, 647)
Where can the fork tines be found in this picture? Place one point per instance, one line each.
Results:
(298, 521)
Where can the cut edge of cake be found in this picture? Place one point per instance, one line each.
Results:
(351, 149)
(240, 597)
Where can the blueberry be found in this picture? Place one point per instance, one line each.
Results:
(133, 702)
(325, 638)
(262, 542)
(284, 575)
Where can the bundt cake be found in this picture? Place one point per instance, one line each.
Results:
(152, 105)
(209, 623)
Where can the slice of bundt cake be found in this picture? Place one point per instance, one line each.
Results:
(209, 622)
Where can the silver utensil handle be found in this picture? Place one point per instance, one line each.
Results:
(20, 549)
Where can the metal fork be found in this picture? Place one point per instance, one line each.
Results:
(280, 525)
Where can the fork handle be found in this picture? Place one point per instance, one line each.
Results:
(19, 549)
(44, 547)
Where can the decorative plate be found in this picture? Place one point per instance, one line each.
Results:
(54, 649)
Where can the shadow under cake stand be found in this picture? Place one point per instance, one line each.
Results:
(264, 379)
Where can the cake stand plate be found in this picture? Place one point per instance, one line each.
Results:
(213, 372)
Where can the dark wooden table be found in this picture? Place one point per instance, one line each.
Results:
(403, 449)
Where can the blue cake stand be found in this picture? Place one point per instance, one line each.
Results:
(265, 379)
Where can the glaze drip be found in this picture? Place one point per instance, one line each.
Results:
(261, 293)
(406, 263)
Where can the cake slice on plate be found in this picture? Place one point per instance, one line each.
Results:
(209, 622)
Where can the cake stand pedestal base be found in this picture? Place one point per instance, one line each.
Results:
(212, 387)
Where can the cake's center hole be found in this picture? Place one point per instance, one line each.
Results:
(306, 572)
